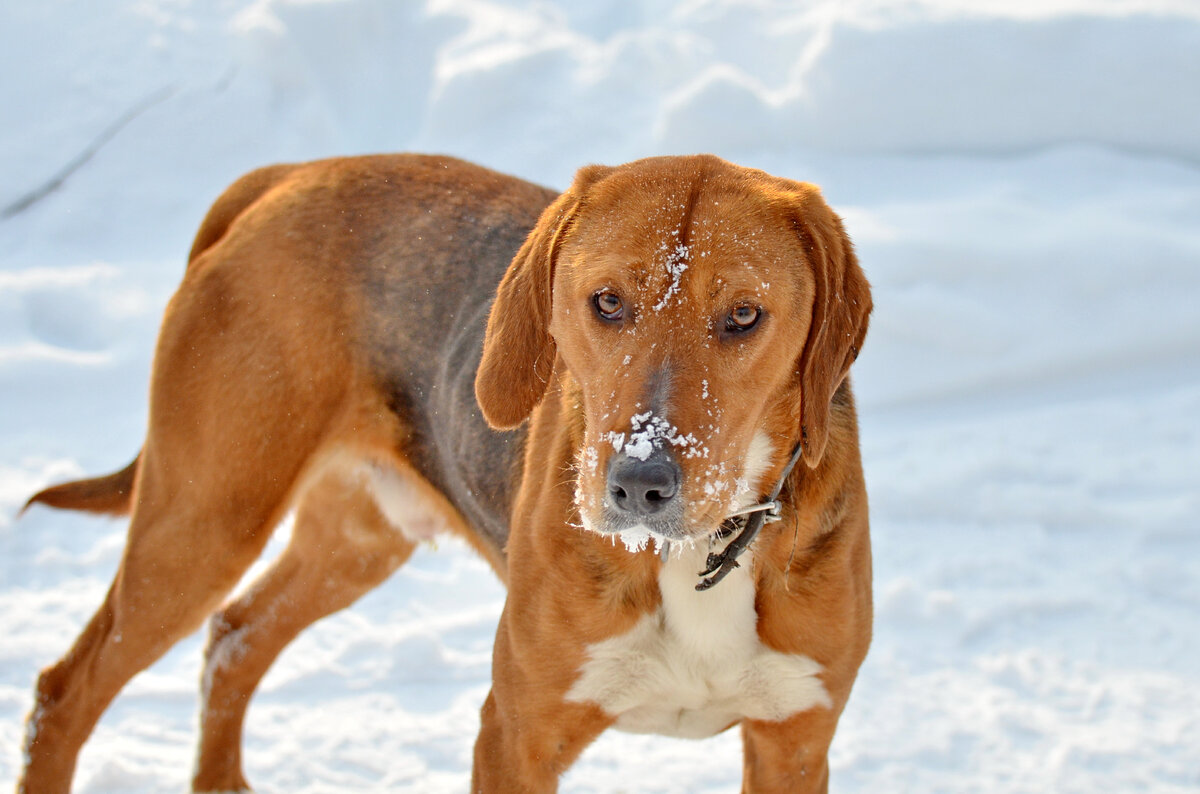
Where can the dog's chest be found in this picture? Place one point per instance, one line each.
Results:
(696, 666)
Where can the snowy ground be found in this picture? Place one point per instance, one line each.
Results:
(1023, 182)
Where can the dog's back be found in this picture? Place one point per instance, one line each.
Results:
(386, 234)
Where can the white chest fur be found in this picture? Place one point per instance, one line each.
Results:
(696, 666)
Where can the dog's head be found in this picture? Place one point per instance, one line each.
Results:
(702, 314)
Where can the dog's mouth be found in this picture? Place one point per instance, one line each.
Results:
(637, 535)
(649, 494)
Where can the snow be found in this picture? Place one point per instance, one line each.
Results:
(649, 432)
(1021, 178)
(675, 260)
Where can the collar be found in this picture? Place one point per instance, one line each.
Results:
(746, 523)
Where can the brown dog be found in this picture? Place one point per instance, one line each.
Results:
(667, 334)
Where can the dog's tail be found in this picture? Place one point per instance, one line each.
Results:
(111, 494)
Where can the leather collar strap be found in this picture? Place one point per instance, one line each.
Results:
(749, 521)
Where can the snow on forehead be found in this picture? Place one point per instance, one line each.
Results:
(672, 242)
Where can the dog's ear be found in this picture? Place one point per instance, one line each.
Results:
(518, 351)
(841, 308)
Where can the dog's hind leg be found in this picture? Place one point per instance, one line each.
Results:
(185, 552)
(239, 403)
(341, 547)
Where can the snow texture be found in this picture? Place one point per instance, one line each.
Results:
(1022, 181)
(649, 432)
(675, 261)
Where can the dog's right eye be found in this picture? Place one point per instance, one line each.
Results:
(608, 305)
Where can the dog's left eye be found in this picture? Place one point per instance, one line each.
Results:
(608, 305)
(742, 318)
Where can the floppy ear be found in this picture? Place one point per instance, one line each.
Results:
(841, 307)
(518, 351)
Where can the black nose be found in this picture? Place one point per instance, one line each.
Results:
(643, 487)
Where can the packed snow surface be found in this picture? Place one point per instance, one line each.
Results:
(1022, 180)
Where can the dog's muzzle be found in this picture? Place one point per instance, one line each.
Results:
(645, 491)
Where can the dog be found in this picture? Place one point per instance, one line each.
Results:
(631, 399)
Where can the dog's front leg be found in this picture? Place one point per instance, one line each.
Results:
(524, 751)
(529, 734)
(790, 756)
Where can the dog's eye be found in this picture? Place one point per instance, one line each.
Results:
(742, 318)
(608, 305)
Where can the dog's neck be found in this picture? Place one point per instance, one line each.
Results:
(746, 523)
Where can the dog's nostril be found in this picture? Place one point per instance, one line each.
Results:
(659, 495)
